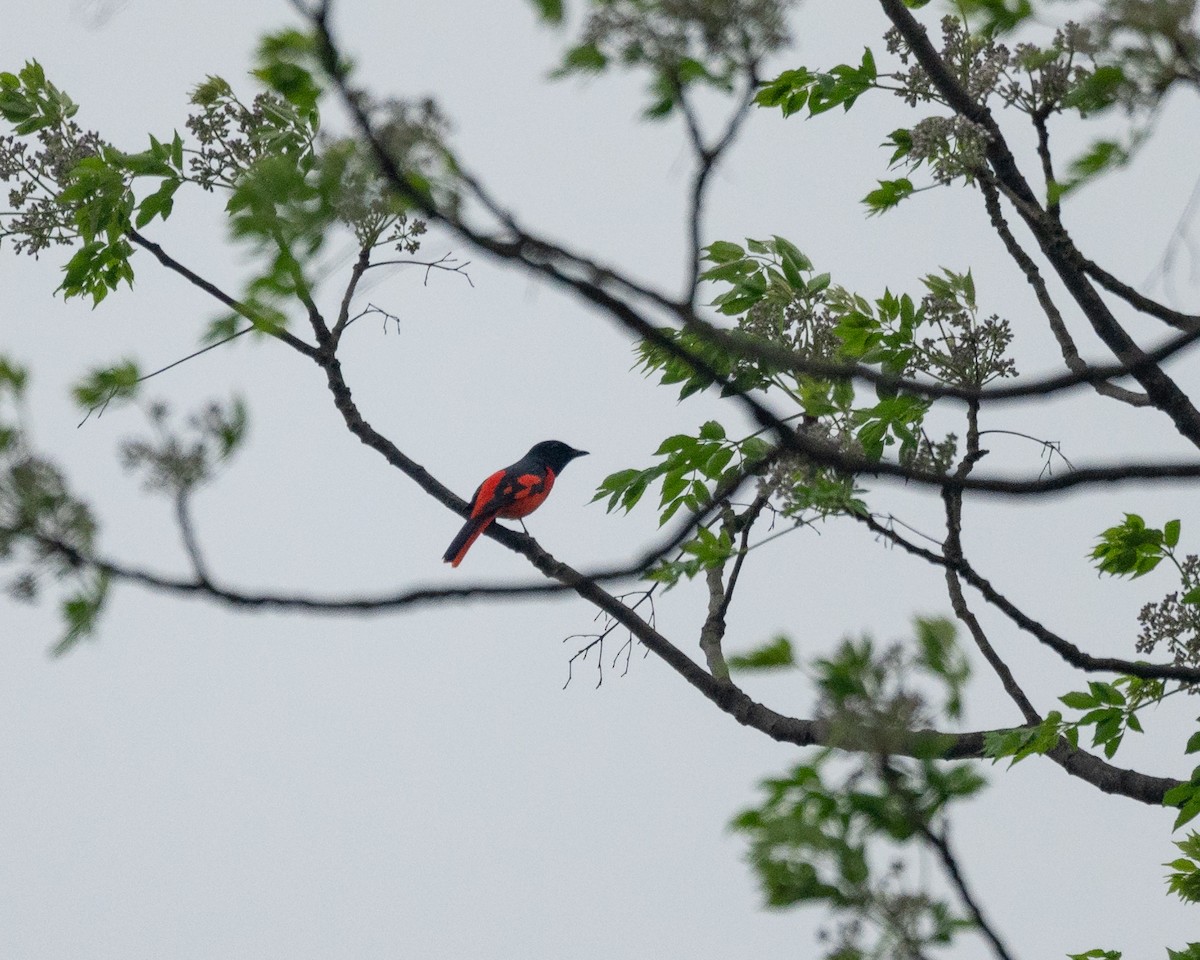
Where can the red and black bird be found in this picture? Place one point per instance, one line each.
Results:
(512, 493)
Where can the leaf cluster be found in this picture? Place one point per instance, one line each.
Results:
(39, 515)
(1110, 709)
(1184, 878)
(819, 91)
(1186, 796)
(819, 839)
(681, 43)
(1132, 549)
(177, 461)
(876, 695)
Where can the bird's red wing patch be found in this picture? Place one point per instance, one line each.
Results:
(533, 491)
(530, 483)
(486, 499)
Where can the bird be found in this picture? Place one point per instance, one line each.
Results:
(512, 493)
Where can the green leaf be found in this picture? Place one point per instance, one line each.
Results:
(1097, 90)
(1192, 596)
(549, 10)
(1100, 157)
(1193, 744)
(13, 376)
(1130, 549)
(712, 430)
(159, 203)
(1106, 693)
(722, 251)
(585, 58)
(1077, 700)
(106, 384)
(1179, 795)
(888, 195)
(715, 466)
(1000, 16)
(673, 486)
(1187, 813)
(777, 653)
(818, 283)
(286, 61)
(81, 611)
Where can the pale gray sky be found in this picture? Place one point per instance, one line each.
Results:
(200, 783)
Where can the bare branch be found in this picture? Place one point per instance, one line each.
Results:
(728, 697)
(218, 294)
(1181, 321)
(713, 630)
(1064, 648)
(446, 262)
(707, 158)
(1043, 149)
(1179, 236)
(302, 289)
(361, 265)
(1070, 353)
(952, 550)
(941, 844)
(187, 532)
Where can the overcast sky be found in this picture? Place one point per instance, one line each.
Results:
(200, 783)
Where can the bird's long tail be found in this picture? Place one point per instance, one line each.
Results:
(466, 536)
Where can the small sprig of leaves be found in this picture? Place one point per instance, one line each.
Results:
(818, 838)
(45, 529)
(771, 656)
(683, 43)
(1132, 549)
(819, 832)
(286, 188)
(45, 146)
(1184, 878)
(175, 461)
(101, 386)
(1110, 710)
(691, 466)
(875, 695)
(819, 90)
(773, 291)
(1186, 796)
(1076, 70)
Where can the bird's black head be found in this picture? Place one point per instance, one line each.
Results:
(555, 454)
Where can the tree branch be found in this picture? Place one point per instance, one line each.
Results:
(952, 550)
(707, 158)
(218, 294)
(1055, 243)
(360, 267)
(1066, 345)
(1181, 321)
(940, 842)
(1064, 648)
